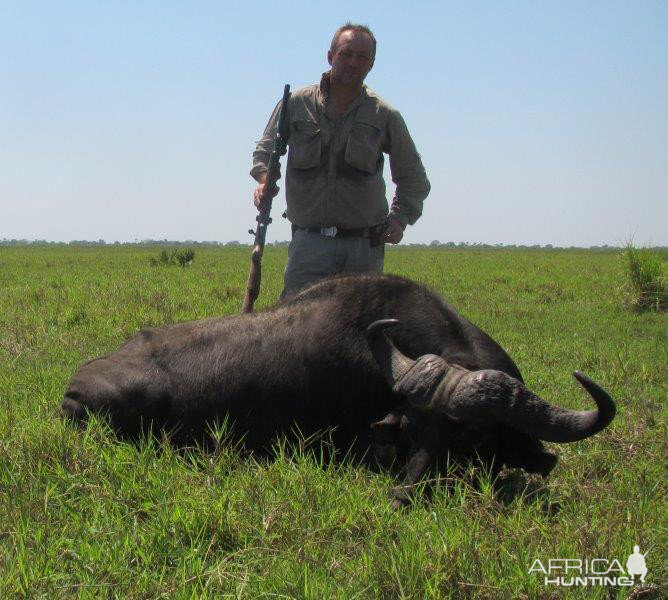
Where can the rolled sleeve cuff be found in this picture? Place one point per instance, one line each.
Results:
(401, 217)
(256, 171)
(260, 162)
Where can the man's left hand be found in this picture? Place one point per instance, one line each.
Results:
(393, 232)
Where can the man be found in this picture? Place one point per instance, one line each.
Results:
(335, 192)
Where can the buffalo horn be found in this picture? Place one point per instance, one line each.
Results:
(493, 394)
(393, 364)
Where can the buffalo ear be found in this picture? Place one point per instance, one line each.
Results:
(386, 439)
(388, 430)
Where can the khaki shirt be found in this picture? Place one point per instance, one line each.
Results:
(334, 174)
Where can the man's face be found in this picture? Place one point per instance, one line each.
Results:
(352, 59)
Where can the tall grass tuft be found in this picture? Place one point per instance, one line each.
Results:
(647, 284)
(183, 258)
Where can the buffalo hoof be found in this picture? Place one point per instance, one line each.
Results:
(400, 498)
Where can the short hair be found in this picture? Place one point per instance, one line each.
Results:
(356, 28)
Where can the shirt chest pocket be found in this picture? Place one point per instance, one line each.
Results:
(305, 144)
(363, 146)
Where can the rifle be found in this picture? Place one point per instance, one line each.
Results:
(263, 219)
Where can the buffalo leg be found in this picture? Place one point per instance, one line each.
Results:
(425, 442)
(419, 463)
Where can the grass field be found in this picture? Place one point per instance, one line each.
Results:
(83, 515)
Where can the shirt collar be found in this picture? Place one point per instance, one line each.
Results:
(325, 82)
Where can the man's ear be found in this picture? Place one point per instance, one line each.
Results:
(330, 56)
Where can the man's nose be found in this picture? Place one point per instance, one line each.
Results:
(354, 61)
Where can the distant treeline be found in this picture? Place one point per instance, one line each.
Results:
(433, 244)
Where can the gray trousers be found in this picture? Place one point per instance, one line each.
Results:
(313, 256)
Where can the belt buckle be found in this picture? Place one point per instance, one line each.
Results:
(328, 231)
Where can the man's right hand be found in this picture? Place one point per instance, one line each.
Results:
(257, 195)
(259, 190)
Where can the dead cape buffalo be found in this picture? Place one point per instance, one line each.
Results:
(427, 386)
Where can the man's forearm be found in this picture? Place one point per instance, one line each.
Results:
(265, 146)
(260, 163)
(398, 215)
(408, 173)
(407, 203)
(259, 173)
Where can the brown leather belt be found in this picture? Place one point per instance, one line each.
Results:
(336, 232)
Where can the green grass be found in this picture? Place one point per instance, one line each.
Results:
(648, 284)
(83, 515)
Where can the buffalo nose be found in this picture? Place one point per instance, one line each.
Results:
(72, 409)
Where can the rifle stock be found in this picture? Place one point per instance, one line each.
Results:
(263, 218)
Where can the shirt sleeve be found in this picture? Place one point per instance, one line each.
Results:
(407, 172)
(265, 145)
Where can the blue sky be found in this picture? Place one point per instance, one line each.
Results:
(537, 122)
